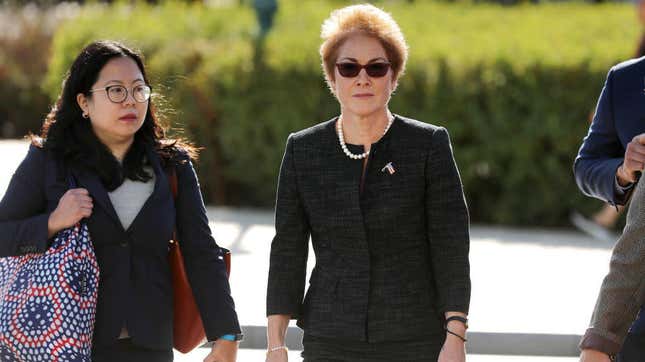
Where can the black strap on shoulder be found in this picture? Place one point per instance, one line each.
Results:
(71, 181)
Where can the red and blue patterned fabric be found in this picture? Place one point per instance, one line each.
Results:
(48, 301)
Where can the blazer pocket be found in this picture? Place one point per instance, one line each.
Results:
(417, 286)
(326, 282)
(159, 277)
(164, 287)
(322, 292)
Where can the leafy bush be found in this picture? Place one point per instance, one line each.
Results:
(514, 86)
(25, 39)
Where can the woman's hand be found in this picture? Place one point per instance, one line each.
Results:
(75, 205)
(453, 350)
(277, 325)
(280, 355)
(590, 355)
(223, 351)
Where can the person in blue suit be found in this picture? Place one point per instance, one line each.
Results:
(608, 165)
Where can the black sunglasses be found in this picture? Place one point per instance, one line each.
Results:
(351, 70)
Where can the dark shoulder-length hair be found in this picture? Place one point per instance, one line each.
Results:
(70, 136)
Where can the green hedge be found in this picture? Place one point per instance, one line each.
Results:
(514, 86)
(25, 40)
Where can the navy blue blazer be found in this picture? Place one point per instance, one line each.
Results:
(135, 284)
(620, 115)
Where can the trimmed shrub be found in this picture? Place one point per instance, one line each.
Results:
(514, 86)
(25, 39)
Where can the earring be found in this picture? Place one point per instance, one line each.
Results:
(85, 115)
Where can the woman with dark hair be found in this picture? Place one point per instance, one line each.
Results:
(103, 133)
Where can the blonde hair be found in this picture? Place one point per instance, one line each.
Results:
(364, 19)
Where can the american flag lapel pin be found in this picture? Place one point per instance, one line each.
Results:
(389, 168)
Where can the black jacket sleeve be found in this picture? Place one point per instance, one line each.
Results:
(289, 249)
(23, 209)
(601, 152)
(448, 226)
(205, 269)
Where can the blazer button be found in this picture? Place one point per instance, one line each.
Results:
(124, 244)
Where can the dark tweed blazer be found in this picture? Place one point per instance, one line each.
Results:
(390, 260)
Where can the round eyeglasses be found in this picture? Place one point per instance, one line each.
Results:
(119, 93)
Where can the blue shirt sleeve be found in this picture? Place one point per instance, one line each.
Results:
(601, 152)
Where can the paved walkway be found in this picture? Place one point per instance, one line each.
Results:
(533, 289)
(250, 355)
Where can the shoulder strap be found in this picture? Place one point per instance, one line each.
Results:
(171, 172)
(71, 181)
(225, 254)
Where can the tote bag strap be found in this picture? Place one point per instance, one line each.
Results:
(71, 181)
(172, 179)
(171, 172)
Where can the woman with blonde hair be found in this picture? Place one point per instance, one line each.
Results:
(381, 197)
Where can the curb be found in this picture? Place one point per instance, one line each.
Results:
(518, 344)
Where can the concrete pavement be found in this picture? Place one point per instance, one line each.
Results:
(250, 355)
(533, 289)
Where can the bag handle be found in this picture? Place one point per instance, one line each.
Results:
(171, 172)
(71, 181)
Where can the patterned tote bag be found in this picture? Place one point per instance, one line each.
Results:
(48, 301)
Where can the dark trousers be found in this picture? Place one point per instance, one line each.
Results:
(633, 349)
(123, 350)
(318, 349)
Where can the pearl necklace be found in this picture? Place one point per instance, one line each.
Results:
(341, 139)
